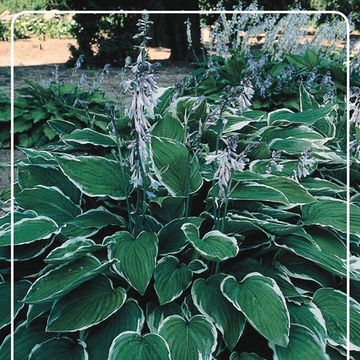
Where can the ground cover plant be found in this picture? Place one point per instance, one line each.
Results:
(193, 227)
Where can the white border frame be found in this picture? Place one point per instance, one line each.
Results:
(200, 12)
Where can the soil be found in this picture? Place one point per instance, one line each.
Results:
(35, 60)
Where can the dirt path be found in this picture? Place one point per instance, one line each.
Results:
(36, 60)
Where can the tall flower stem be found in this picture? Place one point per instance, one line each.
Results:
(121, 163)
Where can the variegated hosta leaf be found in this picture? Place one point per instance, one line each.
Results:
(171, 278)
(245, 356)
(85, 306)
(309, 117)
(31, 175)
(20, 289)
(131, 345)
(48, 201)
(332, 213)
(96, 218)
(136, 257)
(62, 348)
(25, 338)
(72, 249)
(191, 340)
(255, 295)
(211, 302)
(214, 246)
(155, 314)
(174, 166)
(28, 230)
(96, 176)
(59, 281)
(98, 339)
(88, 137)
(333, 306)
(172, 239)
(303, 345)
(308, 315)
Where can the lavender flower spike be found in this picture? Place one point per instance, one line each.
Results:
(228, 161)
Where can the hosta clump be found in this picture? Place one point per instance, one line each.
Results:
(230, 256)
(285, 57)
(43, 110)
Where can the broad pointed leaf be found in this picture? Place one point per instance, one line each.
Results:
(333, 306)
(61, 280)
(48, 201)
(87, 305)
(136, 258)
(189, 340)
(171, 278)
(29, 230)
(175, 167)
(214, 246)
(62, 348)
(129, 317)
(263, 304)
(96, 176)
(211, 302)
(131, 345)
(303, 345)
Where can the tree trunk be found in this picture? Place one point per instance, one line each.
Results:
(176, 29)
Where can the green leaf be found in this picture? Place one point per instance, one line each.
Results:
(333, 305)
(129, 317)
(263, 304)
(172, 239)
(20, 289)
(96, 176)
(61, 126)
(170, 279)
(309, 316)
(307, 101)
(292, 190)
(96, 218)
(48, 201)
(131, 345)
(88, 137)
(136, 258)
(25, 339)
(257, 192)
(59, 281)
(164, 101)
(245, 356)
(29, 230)
(211, 302)
(332, 213)
(169, 127)
(71, 250)
(308, 117)
(62, 348)
(155, 314)
(214, 246)
(322, 248)
(175, 167)
(87, 305)
(189, 340)
(303, 345)
(37, 310)
(31, 175)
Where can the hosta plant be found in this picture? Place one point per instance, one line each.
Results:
(196, 230)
